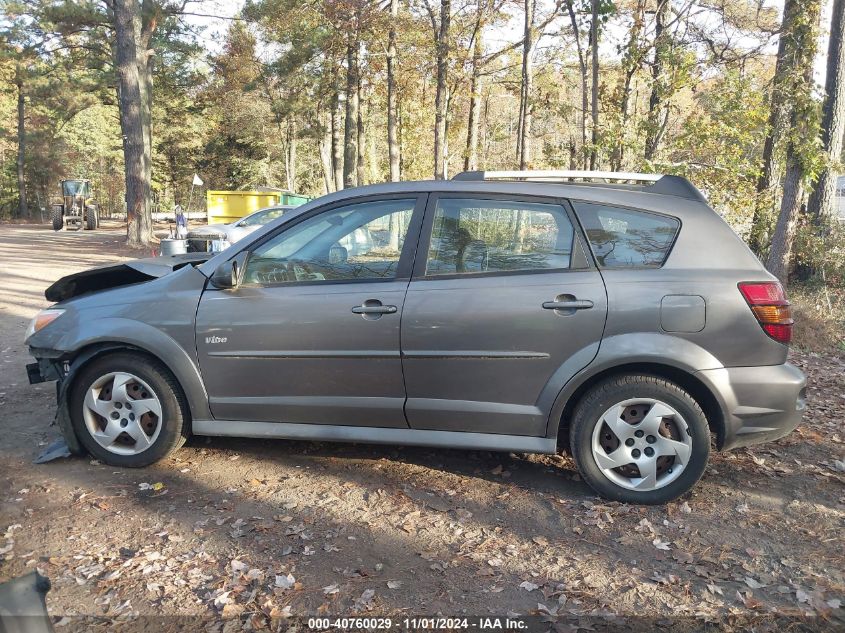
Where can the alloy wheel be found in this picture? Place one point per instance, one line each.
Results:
(641, 444)
(122, 413)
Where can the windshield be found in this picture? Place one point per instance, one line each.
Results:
(75, 188)
(260, 218)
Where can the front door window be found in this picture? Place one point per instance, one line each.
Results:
(356, 242)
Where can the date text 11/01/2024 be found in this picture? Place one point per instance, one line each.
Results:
(487, 623)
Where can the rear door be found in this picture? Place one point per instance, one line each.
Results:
(504, 307)
(312, 334)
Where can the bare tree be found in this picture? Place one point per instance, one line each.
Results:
(393, 150)
(594, 48)
(631, 62)
(823, 198)
(526, 106)
(582, 65)
(350, 127)
(19, 85)
(360, 174)
(337, 147)
(127, 18)
(801, 48)
(779, 106)
(657, 111)
(440, 30)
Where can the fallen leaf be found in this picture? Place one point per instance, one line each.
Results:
(528, 586)
(366, 599)
(751, 582)
(394, 584)
(662, 545)
(285, 582)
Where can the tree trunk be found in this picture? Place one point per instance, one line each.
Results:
(22, 206)
(139, 229)
(630, 64)
(361, 139)
(778, 116)
(793, 192)
(145, 23)
(594, 47)
(779, 108)
(441, 97)
(526, 105)
(392, 124)
(803, 43)
(656, 122)
(290, 155)
(350, 126)
(337, 145)
(582, 65)
(325, 148)
(823, 199)
(471, 155)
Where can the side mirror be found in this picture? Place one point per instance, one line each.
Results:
(230, 273)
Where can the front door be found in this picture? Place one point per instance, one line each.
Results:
(503, 309)
(312, 334)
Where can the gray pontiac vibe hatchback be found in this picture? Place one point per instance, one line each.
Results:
(612, 314)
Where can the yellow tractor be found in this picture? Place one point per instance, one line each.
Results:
(76, 209)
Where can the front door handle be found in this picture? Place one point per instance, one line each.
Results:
(568, 304)
(373, 309)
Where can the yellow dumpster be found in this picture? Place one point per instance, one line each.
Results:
(228, 206)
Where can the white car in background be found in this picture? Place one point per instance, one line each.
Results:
(217, 237)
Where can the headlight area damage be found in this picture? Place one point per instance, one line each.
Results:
(115, 275)
(53, 364)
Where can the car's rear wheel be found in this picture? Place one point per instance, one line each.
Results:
(640, 439)
(128, 410)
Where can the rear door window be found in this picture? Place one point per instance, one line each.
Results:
(493, 236)
(627, 238)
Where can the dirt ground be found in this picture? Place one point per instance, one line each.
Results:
(268, 531)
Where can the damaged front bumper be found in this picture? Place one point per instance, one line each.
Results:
(47, 369)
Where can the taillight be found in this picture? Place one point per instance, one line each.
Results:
(769, 304)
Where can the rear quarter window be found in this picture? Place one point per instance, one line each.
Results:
(627, 238)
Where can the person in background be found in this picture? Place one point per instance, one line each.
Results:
(181, 223)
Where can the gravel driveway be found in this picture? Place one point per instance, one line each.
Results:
(262, 532)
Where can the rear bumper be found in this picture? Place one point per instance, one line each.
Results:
(760, 404)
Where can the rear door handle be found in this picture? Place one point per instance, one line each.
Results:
(374, 309)
(572, 304)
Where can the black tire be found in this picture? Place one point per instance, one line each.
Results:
(588, 414)
(91, 220)
(175, 423)
(56, 215)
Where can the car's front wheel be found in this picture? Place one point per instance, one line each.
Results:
(640, 439)
(128, 410)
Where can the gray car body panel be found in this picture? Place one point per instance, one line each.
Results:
(476, 377)
(135, 317)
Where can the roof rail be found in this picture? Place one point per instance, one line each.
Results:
(650, 183)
